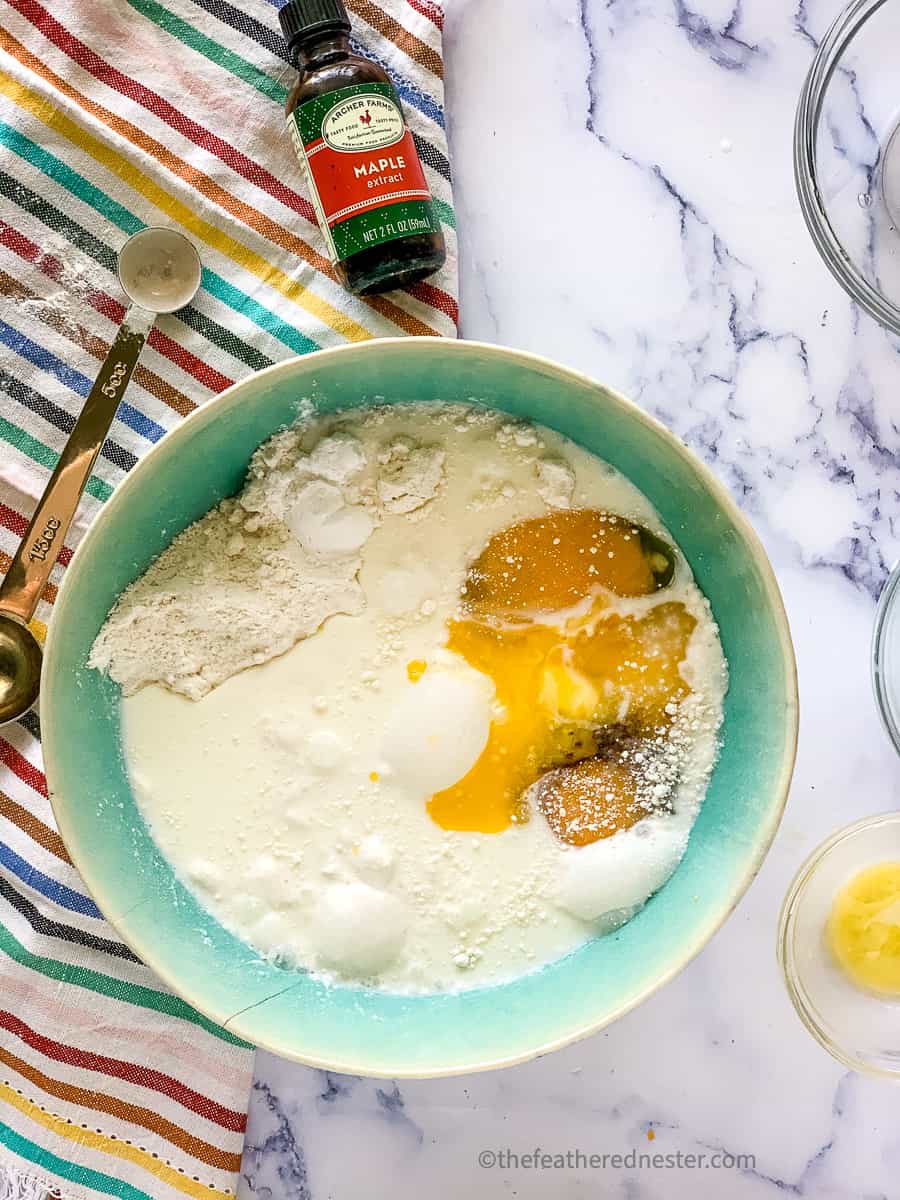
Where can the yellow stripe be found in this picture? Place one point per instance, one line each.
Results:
(39, 629)
(108, 1145)
(41, 108)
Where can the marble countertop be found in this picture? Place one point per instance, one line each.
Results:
(626, 206)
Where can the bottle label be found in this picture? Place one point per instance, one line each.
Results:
(362, 168)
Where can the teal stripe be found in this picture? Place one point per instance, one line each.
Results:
(48, 458)
(445, 212)
(70, 1171)
(119, 216)
(117, 989)
(263, 317)
(217, 54)
(63, 174)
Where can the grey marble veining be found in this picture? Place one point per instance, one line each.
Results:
(626, 205)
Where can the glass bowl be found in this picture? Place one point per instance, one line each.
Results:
(861, 1029)
(847, 155)
(886, 657)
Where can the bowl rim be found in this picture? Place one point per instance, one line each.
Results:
(230, 397)
(803, 1006)
(806, 123)
(884, 612)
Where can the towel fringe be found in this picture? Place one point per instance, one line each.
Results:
(16, 1184)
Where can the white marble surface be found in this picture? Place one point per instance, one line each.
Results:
(626, 205)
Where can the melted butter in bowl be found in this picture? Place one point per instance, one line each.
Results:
(481, 695)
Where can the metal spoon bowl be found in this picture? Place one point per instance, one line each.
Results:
(20, 668)
(160, 271)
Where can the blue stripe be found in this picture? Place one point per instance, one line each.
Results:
(40, 356)
(57, 892)
(407, 91)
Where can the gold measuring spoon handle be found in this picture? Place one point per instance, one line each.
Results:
(39, 549)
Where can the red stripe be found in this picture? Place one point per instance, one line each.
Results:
(110, 307)
(176, 353)
(19, 765)
(18, 524)
(442, 301)
(93, 63)
(433, 12)
(131, 1072)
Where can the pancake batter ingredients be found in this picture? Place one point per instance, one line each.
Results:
(485, 695)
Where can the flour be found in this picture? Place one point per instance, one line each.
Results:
(556, 481)
(76, 278)
(72, 269)
(61, 308)
(410, 475)
(266, 569)
(217, 602)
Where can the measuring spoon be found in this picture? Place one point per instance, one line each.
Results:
(159, 270)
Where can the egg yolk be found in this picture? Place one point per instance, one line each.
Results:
(863, 929)
(636, 661)
(591, 800)
(549, 564)
(558, 683)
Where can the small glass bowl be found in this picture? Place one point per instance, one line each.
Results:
(861, 1029)
(886, 657)
(847, 159)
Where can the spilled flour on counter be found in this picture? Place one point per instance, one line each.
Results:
(431, 702)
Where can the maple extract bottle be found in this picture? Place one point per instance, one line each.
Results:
(359, 158)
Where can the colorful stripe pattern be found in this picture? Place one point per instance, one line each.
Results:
(113, 117)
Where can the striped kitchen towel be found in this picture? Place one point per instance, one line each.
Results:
(115, 114)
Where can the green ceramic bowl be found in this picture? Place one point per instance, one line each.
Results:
(356, 1030)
